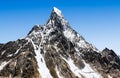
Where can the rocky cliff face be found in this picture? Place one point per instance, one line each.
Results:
(55, 50)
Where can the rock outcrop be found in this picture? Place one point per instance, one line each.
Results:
(55, 50)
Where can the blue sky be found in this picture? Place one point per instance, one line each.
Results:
(98, 21)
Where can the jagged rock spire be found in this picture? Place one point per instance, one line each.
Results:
(57, 12)
(57, 19)
(53, 51)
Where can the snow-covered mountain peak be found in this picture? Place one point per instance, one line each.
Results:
(55, 27)
(57, 11)
(57, 19)
(55, 50)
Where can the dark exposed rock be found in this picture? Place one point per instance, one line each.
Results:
(1, 45)
(106, 63)
(55, 50)
(36, 28)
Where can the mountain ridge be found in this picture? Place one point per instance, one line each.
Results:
(55, 50)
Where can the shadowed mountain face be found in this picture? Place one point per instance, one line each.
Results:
(55, 50)
(1, 45)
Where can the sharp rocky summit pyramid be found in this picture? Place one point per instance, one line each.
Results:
(55, 50)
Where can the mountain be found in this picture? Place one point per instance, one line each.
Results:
(55, 50)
